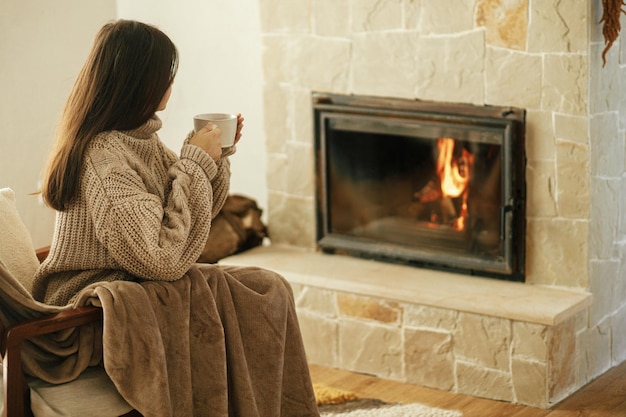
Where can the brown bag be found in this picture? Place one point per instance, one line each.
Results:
(237, 227)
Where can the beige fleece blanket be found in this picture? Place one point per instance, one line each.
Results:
(222, 341)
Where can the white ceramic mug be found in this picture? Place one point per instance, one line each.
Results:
(226, 122)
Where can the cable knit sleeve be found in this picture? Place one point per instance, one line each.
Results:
(221, 182)
(221, 185)
(156, 237)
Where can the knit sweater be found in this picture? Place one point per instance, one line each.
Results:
(141, 212)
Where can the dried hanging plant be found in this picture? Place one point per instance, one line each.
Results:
(611, 10)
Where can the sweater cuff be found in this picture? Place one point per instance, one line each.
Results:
(200, 157)
(189, 136)
(228, 151)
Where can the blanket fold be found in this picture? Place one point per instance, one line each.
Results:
(221, 341)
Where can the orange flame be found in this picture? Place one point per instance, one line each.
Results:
(454, 174)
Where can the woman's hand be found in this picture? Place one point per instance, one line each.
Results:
(208, 139)
(239, 127)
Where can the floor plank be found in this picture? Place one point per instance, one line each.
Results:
(603, 397)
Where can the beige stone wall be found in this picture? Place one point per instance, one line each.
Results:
(456, 51)
(541, 55)
(603, 342)
(473, 354)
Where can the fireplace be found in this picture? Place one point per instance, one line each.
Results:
(428, 184)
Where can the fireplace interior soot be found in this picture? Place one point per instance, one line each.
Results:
(427, 184)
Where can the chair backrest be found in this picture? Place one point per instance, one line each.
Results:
(17, 251)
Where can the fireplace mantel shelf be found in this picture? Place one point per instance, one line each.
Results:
(496, 298)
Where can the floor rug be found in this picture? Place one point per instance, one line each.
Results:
(338, 403)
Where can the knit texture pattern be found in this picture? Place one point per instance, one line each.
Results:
(141, 212)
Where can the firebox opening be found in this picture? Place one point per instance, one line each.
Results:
(431, 185)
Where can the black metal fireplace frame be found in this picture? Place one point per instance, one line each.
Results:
(509, 121)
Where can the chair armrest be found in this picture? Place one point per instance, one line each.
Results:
(51, 323)
(42, 253)
(15, 386)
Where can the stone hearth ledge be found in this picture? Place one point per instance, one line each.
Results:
(491, 297)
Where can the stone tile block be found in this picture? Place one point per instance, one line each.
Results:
(446, 16)
(331, 18)
(334, 52)
(384, 64)
(411, 14)
(605, 203)
(375, 15)
(300, 172)
(594, 346)
(506, 22)
(595, 15)
(302, 116)
(606, 148)
(540, 189)
(276, 50)
(571, 128)
(530, 341)
(320, 337)
(618, 347)
(450, 68)
(572, 180)
(429, 317)
(473, 379)
(503, 70)
(529, 382)
(604, 88)
(561, 357)
(483, 340)
(281, 16)
(622, 82)
(368, 308)
(317, 300)
(291, 220)
(622, 217)
(277, 129)
(371, 348)
(619, 291)
(428, 358)
(603, 278)
(565, 84)
(557, 252)
(581, 322)
(555, 26)
(540, 135)
(277, 172)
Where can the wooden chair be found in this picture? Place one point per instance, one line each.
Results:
(92, 393)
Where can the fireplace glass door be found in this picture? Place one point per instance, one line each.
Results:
(439, 186)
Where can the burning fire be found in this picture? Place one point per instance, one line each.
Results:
(454, 175)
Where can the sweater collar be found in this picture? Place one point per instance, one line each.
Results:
(146, 130)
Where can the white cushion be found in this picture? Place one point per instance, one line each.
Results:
(91, 394)
(16, 246)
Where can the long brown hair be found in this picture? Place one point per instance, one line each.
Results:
(129, 69)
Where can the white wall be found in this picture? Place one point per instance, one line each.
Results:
(42, 47)
(44, 43)
(220, 71)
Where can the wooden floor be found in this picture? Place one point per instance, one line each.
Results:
(603, 397)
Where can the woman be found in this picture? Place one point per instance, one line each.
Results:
(129, 209)
(125, 202)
